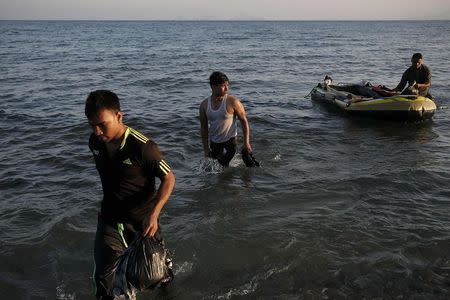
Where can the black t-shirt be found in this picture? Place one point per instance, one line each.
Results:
(128, 178)
(421, 75)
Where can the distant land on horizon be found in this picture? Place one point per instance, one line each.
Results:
(230, 20)
(231, 10)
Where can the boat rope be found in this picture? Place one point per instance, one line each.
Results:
(309, 94)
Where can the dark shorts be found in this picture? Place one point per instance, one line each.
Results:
(111, 240)
(223, 152)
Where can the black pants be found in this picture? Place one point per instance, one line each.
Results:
(111, 240)
(224, 152)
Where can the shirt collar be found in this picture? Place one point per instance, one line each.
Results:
(127, 133)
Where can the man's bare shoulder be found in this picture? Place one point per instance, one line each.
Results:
(204, 103)
(233, 100)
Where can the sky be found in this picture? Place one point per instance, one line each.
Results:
(224, 10)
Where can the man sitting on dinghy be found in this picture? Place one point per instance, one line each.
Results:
(418, 77)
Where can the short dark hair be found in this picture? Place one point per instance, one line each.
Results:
(217, 78)
(99, 100)
(417, 56)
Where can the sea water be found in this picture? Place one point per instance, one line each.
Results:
(341, 208)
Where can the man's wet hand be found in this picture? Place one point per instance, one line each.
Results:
(152, 227)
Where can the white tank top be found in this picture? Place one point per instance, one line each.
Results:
(222, 125)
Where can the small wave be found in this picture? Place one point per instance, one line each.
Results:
(61, 293)
(183, 268)
(210, 166)
(251, 286)
(277, 157)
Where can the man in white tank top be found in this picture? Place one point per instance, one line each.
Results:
(218, 115)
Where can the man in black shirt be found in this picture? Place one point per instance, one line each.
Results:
(418, 77)
(127, 163)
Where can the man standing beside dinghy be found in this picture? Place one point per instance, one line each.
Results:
(418, 77)
(127, 163)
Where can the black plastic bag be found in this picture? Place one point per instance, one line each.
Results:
(144, 265)
(249, 159)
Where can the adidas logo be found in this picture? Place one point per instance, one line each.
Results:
(127, 162)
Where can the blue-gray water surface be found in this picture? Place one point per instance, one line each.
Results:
(341, 208)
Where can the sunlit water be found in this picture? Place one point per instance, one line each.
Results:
(341, 208)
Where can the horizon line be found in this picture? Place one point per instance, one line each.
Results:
(227, 20)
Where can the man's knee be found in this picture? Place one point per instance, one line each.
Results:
(225, 159)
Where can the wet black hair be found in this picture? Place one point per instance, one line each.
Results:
(217, 78)
(417, 56)
(101, 99)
